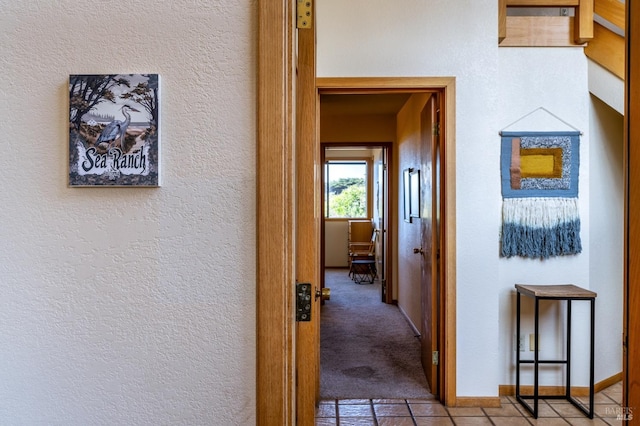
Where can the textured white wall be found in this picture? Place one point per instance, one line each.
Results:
(128, 306)
(607, 222)
(442, 38)
(494, 87)
(555, 79)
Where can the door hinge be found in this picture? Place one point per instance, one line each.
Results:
(303, 12)
(436, 129)
(303, 302)
(435, 358)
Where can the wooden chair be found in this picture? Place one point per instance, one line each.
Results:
(362, 259)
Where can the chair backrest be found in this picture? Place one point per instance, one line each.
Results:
(372, 243)
(365, 248)
(360, 230)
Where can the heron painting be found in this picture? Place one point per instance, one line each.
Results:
(114, 130)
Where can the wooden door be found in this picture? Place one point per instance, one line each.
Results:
(381, 221)
(632, 217)
(429, 223)
(307, 242)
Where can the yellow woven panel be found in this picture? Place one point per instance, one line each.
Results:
(541, 163)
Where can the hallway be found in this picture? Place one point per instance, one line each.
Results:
(367, 347)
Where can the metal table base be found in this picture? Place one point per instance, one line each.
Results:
(568, 293)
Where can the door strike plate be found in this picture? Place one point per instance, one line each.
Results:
(303, 302)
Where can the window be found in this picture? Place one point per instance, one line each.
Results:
(346, 186)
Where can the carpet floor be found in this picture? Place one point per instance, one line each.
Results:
(367, 348)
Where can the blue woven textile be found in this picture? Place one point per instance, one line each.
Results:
(568, 141)
(540, 227)
(540, 216)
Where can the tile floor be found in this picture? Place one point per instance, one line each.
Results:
(400, 412)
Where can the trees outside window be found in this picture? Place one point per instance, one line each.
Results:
(346, 189)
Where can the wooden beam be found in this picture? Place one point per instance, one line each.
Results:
(539, 31)
(583, 24)
(607, 50)
(502, 20)
(612, 11)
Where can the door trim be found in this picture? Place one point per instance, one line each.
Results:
(631, 327)
(354, 85)
(275, 218)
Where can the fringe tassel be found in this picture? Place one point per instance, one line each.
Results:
(540, 227)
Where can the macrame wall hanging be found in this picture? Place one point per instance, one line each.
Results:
(540, 212)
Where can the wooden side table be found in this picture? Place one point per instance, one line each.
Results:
(569, 293)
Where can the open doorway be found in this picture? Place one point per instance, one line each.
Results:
(355, 212)
(351, 126)
(369, 349)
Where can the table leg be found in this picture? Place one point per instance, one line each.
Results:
(518, 346)
(536, 358)
(568, 389)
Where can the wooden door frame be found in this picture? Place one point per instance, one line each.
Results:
(631, 388)
(388, 147)
(275, 215)
(377, 85)
(308, 225)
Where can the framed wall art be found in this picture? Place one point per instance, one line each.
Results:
(414, 185)
(406, 194)
(114, 130)
(411, 193)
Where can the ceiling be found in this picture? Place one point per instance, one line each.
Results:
(359, 104)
